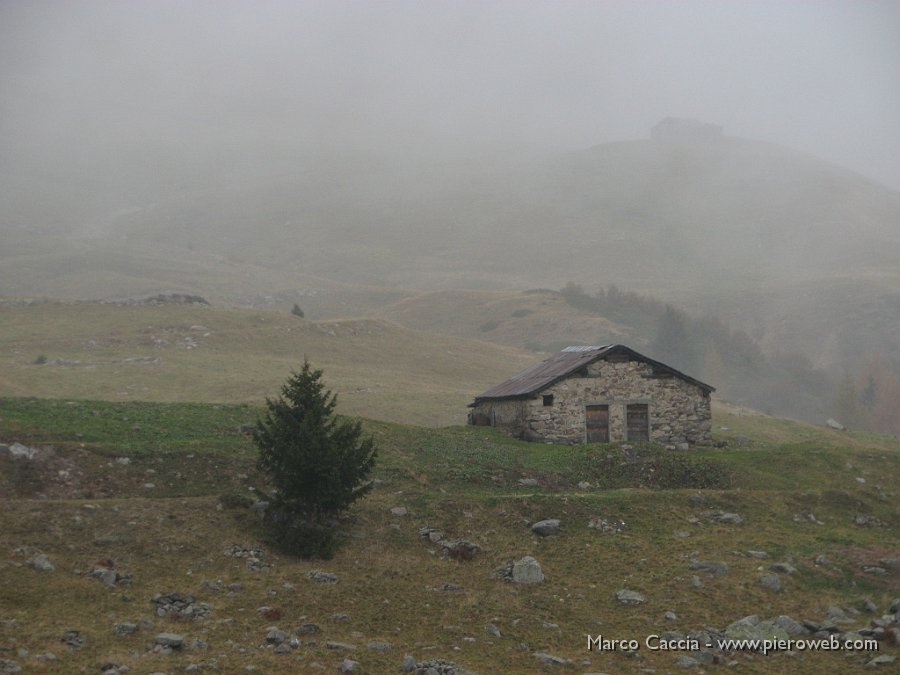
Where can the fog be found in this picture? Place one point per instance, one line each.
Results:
(160, 92)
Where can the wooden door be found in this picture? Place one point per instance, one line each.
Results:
(637, 421)
(596, 421)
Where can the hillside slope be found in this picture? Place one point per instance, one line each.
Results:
(379, 369)
(790, 523)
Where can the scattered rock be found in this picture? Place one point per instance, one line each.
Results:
(627, 597)
(320, 577)
(758, 554)
(527, 571)
(607, 526)
(309, 629)
(696, 582)
(864, 520)
(729, 518)
(340, 645)
(528, 482)
(584, 485)
(782, 568)
(19, 451)
(686, 661)
(350, 666)
(789, 625)
(751, 628)
(491, 629)
(771, 582)
(551, 660)
(377, 646)
(41, 563)
(883, 660)
(181, 606)
(275, 636)
(459, 550)
(171, 640)
(9, 666)
(670, 616)
(409, 664)
(834, 424)
(399, 511)
(546, 528)
(73, 639)
(125, 629)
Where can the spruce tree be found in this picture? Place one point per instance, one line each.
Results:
(317, 463)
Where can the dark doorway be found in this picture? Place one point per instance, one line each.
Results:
(596, 421)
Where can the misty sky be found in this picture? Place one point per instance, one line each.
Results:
(84, 83)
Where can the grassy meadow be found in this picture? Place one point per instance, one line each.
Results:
(135, 412)
(158, 519)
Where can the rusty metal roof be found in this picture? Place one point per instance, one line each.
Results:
(566, 362)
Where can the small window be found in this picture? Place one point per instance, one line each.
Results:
(548, 399)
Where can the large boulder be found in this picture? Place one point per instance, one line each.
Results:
(546, 528)
(527, 571)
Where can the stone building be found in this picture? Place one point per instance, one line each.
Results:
(598, 395)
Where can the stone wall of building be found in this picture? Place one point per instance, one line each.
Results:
(679, 412)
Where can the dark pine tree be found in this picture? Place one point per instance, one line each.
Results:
(318, 464)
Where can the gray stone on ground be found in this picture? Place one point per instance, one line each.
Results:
(751, 628)
(790, 625)
(551, 660)
(125, 628)
(716, 568)
(380, 646)
(350, 666)
(527, 571)
(627, 597)
(883, 660)
(758, 554)
(771, 582)
(340, 645)
(73, 639)
(173, 640)
(894, 607)
(838, 615)
(491, 629)
(546, 528)
(528, 482)
(890, 563)
(19, 451)
(321, 577)
(729, 518)
(696, 582)
(275, 636)
(686, 661)
(41, 563)
(9, 666)
(399, 511)
(409, 664)
(783, 568)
